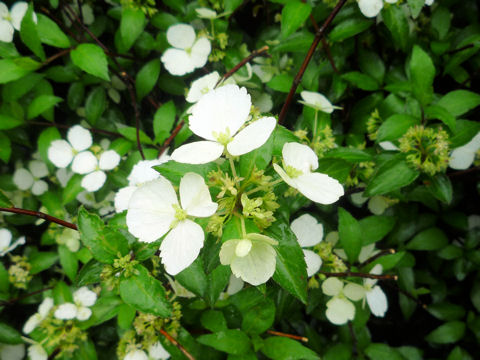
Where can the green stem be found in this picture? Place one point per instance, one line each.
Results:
(263, 187)
(244, 231)
(232, 165)
(315, 125)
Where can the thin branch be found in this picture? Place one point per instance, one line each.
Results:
(137, 118)
(56, 56)
(62, 126)
(290, 336)
(354, 339)
(357, 274)
(298, 78)
(463, 172)
(462, 48)
(177, 344)
(407, 294)
(14, 300)
(40, 215)
(260, 52)
(171, 137)
(376, 256)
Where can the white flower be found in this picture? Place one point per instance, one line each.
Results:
(61, 152)
(6, 244)
(235, 284)
(187, 54)
(95, 169)
(30, 179)
(339, 309)
(299, 162)
(206, 13)
(252, 259)
(376, 299)
(317, 101)
(83, 298)
(34, 320)
(462, 157)
(153, 211)
(12, 352)
(388, 145)
(202, 86)
(37, 352)
(429, 2)
(158, 352)
(11, 21)
(136, 355)
(370, 8)
(218, 117)
(309, 233)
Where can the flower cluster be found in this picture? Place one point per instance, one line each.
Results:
(83, 298)
(30, 179)
(11, 20)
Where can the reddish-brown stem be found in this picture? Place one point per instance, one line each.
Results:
(463, 172)
(254, 54)
(14, 300)
(298, 78)
(290, 336)
(361, 275)
(40, 215)
(177, 344)
(171, 137)
(376, 256)
(137, 118)
(56, 56)
(62, 126)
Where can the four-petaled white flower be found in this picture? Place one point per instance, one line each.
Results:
(187, 53)
(317, 101)
(299, 161)
(429, 2)
(252, 259)
(462, 157)
(11, 20)
(202, 86)
(218, 117)
(339, 308)
(95, 169)
(6, 244)
(83, 298)
(309, 232)
(30, 179)
(153, 211)
(376, 299)
(37, 352)
(12, 352)
(370, 8)
(34, 320)
(62, 152)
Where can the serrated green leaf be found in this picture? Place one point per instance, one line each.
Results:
(397, 23)
(441, 187)
(50, 33)
(391, 176)
(213, 320)
(375, 228)
(89, 273)
(396, 126)
(29, 34)
(9, 122)
(69, 262)
(437, 112)
(130, 133)
(349, 28)
(174, 171)
(349, 154)
(282, 348)
(41, 104)
(458, 102)
(9, 335)
(422, 73)
(376, 351)
(258, 311)
(447, 333)
(91, 59)
(131, 26)
(13, 69)
(193, 278)
(41, 261)
(361, 81)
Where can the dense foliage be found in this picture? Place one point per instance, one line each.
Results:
(227, 179)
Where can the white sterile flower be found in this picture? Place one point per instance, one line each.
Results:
(153, 211)
(309, 232)
(67, 311)
(376, 299)
(37, 352)
(187, 53)
(462, 157)
(206, 13)
(202, 86)
(34, 320)
(252, 259)
(12, 352)
(136, 355)
(30, 179)
(11, 20)
(83, 298)
(339, 309)
(61, 152)
(96, 175)
(317, 101)
(429, 2)
(218, 117)
(6, 244)
(388, 145)
(158, 352)
(298, 163)
(370, 8)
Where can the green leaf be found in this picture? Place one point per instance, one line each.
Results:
(147, 78)
(349, 234)
(217, 280)
(131, 26)
(231, 5)
(9, 335)
(45, 139)
(90, 273)
(29, 35)
(377, 351)
(126, 315)
(91, 59)
(441, 20)
(145, 293)
(294, 15)
(130, 133)
(282, 348)
(361, 81)
(441, 187)
(391, 176)
(69, 262)
(437, 112)
(62, 293)
(163, 121)
(193, 278)
(104, 243)
(282, 83)
(258, 311)
(459, 102)
(446, 311)
(16, 89)
(281, 136)
(464, 132)
(447, 333)
(4, 200)
(375, 228)
(213, 320)
(72, 189)
(42, 261)
(415, 7)
(258, 158)
(50, 33)
(397, 23)
(336, 168)
(430, 239)
(13, 69)
(372, 64)
(298, 42)
(41, 104)
(291, 270)
(75, 96)
(9, 122)
(5, 148)
(422, 73)
(234, 342)
(349, 28)
(396, 126)
(95, 104)
(174, 171)
(349, 154)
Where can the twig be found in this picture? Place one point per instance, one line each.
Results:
(354, 339)
(461, 49)
(254, 54)
(56, 56)
(14, 300)
(295, 337)
(298, 78)
(177, 344)
(62, 126)
(40, 215)
(80, 13)
(463, 172)
(137, 118)
(357, 274)
(376, 256)
(410, 296)
(171, 137)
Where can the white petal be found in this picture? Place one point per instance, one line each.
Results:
(366, 252)
(6, 31)
(12, 352)
(3, 10)
(461, 158)
(377, 301)
(300, 157)
(224, 108)
(39, 187)
(122, 198)
(5, 238)
(83, 313)
(177, 62)
(256, 267)
(66, 311)
(195, 197)
(320, 188)
(79, 137)
(150, 212)
(84, 297)
(202, 86)
(316, 101)
(339, 311)
(136, 355)
(354, 292)
(243, 248)
(143, 172)
(308, 230)
(388, 145)
(38, 168)
(60, 153)
(45, 307)
(94, 181)
(429, 2)
(37, 352)
(370, 8)
(252, 137)
(206, 13)
(17, 12)
(181, 36)
(32, 323)
(200, 51)
(376, 270)
(84, 163)
(332, 286)
(284, 176)
(181, 246)
(199, 152)
(313, 261)
(23, 179)
(158, 352)
(234, 285)
(109, 160)
(227, 251)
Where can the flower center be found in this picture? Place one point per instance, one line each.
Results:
(222, 138)
(243, 248)
(180, 214)
(292, 172)
(205, 90)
